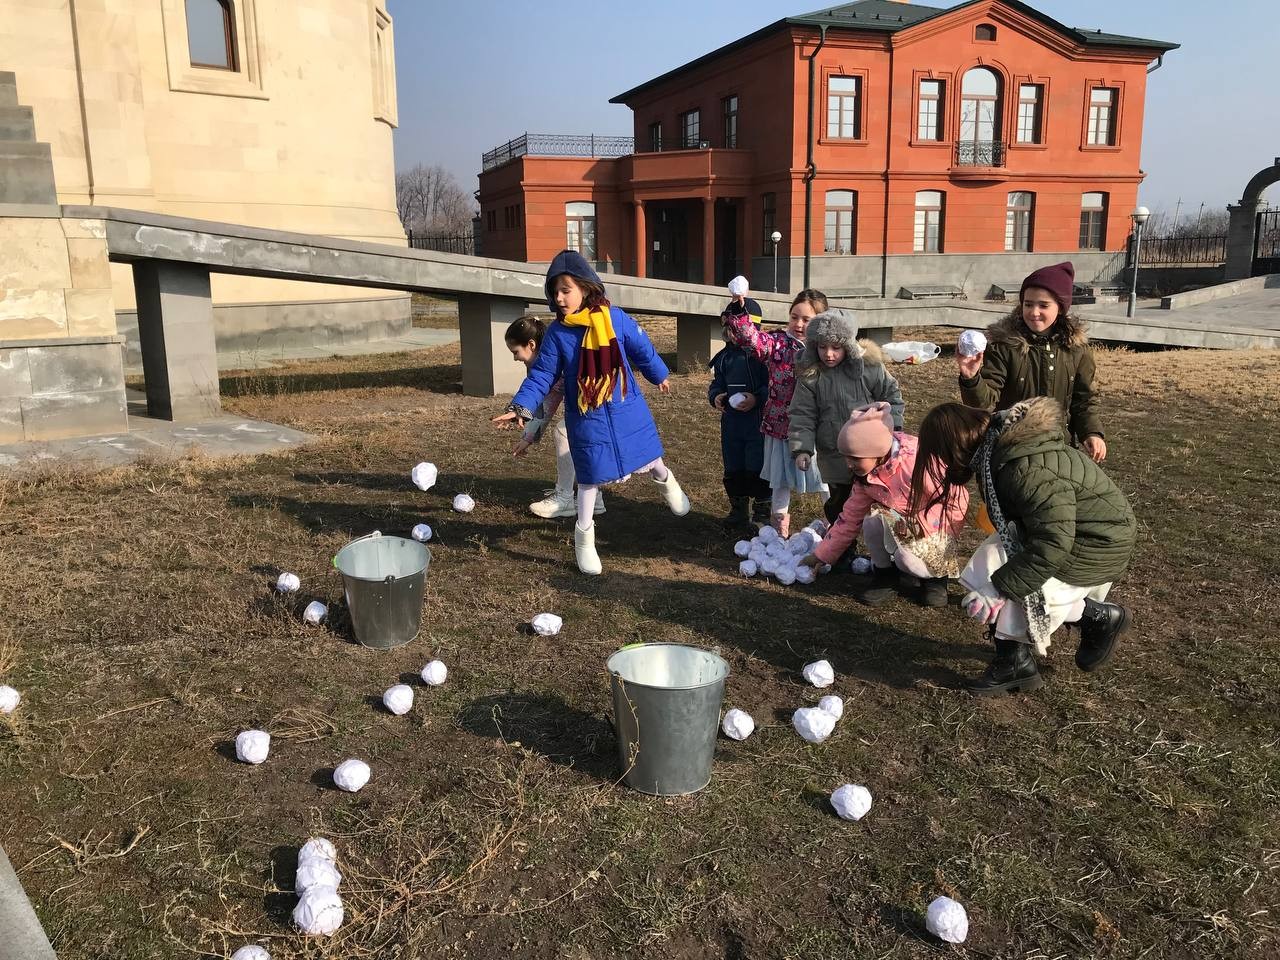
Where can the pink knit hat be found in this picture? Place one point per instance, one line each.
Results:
(868, 432)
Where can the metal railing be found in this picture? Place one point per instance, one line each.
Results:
(464, 244)
(980, 153)
(558, 145)
(1210, 249)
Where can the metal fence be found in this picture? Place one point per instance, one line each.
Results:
(558, 145)
(465, 244)
(981, 153)
(1209, 249)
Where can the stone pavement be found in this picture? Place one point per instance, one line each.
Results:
(1257, 311)
(21, 937)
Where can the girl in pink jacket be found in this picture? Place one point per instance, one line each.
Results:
(902, 545)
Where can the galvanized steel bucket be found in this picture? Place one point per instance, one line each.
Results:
(666, 708)
(384, 579)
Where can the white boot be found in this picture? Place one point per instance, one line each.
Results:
(675, 497)
(584, 548)
(555, 504)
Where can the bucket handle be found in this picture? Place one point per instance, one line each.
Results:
(368, 536)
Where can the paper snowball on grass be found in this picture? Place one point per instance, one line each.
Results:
(251, 952)
(435, 673)
(424, 476)
(252, 746)
(9, 699)
(351, 775)
(832, 705)
(398, 699)
(738, 286)
(971, 343)
(748, 568)
(317, 848)
(819, 673)
(314, 613)
(737, 724)
(786, 575)
(813, 724)
(421, 532)
(946, 919)
(316, 874)
(463, 503)
(862, 566)
(768, 535)
(546, 625)
(805, 574)
(852, 801)
(288, 582)
(318, 913)
(742, 549)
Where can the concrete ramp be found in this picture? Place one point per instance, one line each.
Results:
(1238, 315)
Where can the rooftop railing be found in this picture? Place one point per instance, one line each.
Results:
(558, 145)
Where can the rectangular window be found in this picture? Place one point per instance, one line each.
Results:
(929, 122)
(729, 113)
(580, 228)
(842, 210)
(691, 129)
(492, 220)
(768, 222)
(843, 115)
(1018, 218)
(1093, 221)
(1030, 112)
(928, 232)
(1102, 117)
(655, 137)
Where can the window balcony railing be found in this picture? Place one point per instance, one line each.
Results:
(980, 153)
(558, 145)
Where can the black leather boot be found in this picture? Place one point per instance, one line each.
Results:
(1013, 669)
(1100, 628)
(739, 513)
(760, 510)
(881, 586)
(933, 592)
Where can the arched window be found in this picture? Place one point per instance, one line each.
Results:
(929, 210)
(580, 227)
(980, 118)
(211, 34)
(1018, 218)
(985, 31)
(842, 212)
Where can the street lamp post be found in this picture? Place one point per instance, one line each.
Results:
(1139, 218)
(776, 237)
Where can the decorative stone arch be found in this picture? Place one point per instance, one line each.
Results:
(1244, 219)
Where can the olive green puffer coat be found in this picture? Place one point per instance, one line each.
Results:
(1073, 521)
(1018, 365)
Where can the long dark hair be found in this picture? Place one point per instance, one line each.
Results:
(528, 329)
(593, 294)
(814, 298)
(949, 437)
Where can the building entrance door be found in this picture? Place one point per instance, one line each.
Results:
(727, 265)
(669, 256)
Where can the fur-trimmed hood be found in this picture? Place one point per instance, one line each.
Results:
(1068, 331)
(837, 327)
(1030, 419)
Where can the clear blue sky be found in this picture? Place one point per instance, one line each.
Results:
(474, 74)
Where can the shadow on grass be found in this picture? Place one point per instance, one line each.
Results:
(439, 378)
(282, 873)
(546, 724)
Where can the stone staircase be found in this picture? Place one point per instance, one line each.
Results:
(26, 167)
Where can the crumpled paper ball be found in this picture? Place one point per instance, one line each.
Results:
(738, 286)
(946, 919)
(435, 673)
(819, 526)
(805, 574)
(768, 535)
(861, 566)
(971, 343)
(316, 874)
(318, 848)
(813, 724)
(251, 952)
(463, 503)
(287, 582)
(424, 476)
(786, 575)
(314, 613)
(832, 705)
(769, 566)
(318, 913)
(9, 699)
(742, 549)
(757, 557)
(737, 724)
(819, 673)
(738, 400)
(852, 801)
(398, 699)
(546, 625)
(748, 568)
(756, 542)
(351, 775)
(252, 746)
(421, 532)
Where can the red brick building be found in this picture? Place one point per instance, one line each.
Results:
(888, 143)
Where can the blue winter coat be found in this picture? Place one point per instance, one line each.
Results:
(741, 442)
(617, 437)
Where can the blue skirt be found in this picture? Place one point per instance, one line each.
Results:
(780, 469)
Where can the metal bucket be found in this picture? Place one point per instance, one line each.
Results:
(666, 708)
(384, 579)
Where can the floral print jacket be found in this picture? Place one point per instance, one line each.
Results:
(778, 350)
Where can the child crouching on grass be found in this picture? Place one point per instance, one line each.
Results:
(902, 543)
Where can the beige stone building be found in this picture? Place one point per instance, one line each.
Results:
(258, 112)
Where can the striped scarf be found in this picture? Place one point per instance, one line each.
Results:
(599, 360)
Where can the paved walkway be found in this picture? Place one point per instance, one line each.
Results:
(1257, 311)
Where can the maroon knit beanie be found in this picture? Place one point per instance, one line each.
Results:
(1057, 279)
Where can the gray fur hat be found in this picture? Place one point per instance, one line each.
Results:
(833, 326)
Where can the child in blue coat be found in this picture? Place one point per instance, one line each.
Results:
(739, 389)
(593, 346)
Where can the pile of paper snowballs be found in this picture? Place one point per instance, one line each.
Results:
(769, 554)
(319, 910)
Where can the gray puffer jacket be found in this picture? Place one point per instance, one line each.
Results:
(825, 396)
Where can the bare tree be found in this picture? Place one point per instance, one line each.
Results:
(430, 200)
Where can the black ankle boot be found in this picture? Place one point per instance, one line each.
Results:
(1013, 669)
(881, 586)
(761, 508)
(933, 592)
(738, 515)
(1100, 627)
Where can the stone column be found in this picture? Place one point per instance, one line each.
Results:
(697, 340)
(1240, 239)
(708, 240)
(175, 332)
(642, 240)
(487, 367)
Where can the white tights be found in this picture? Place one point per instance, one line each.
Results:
(587, 492)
